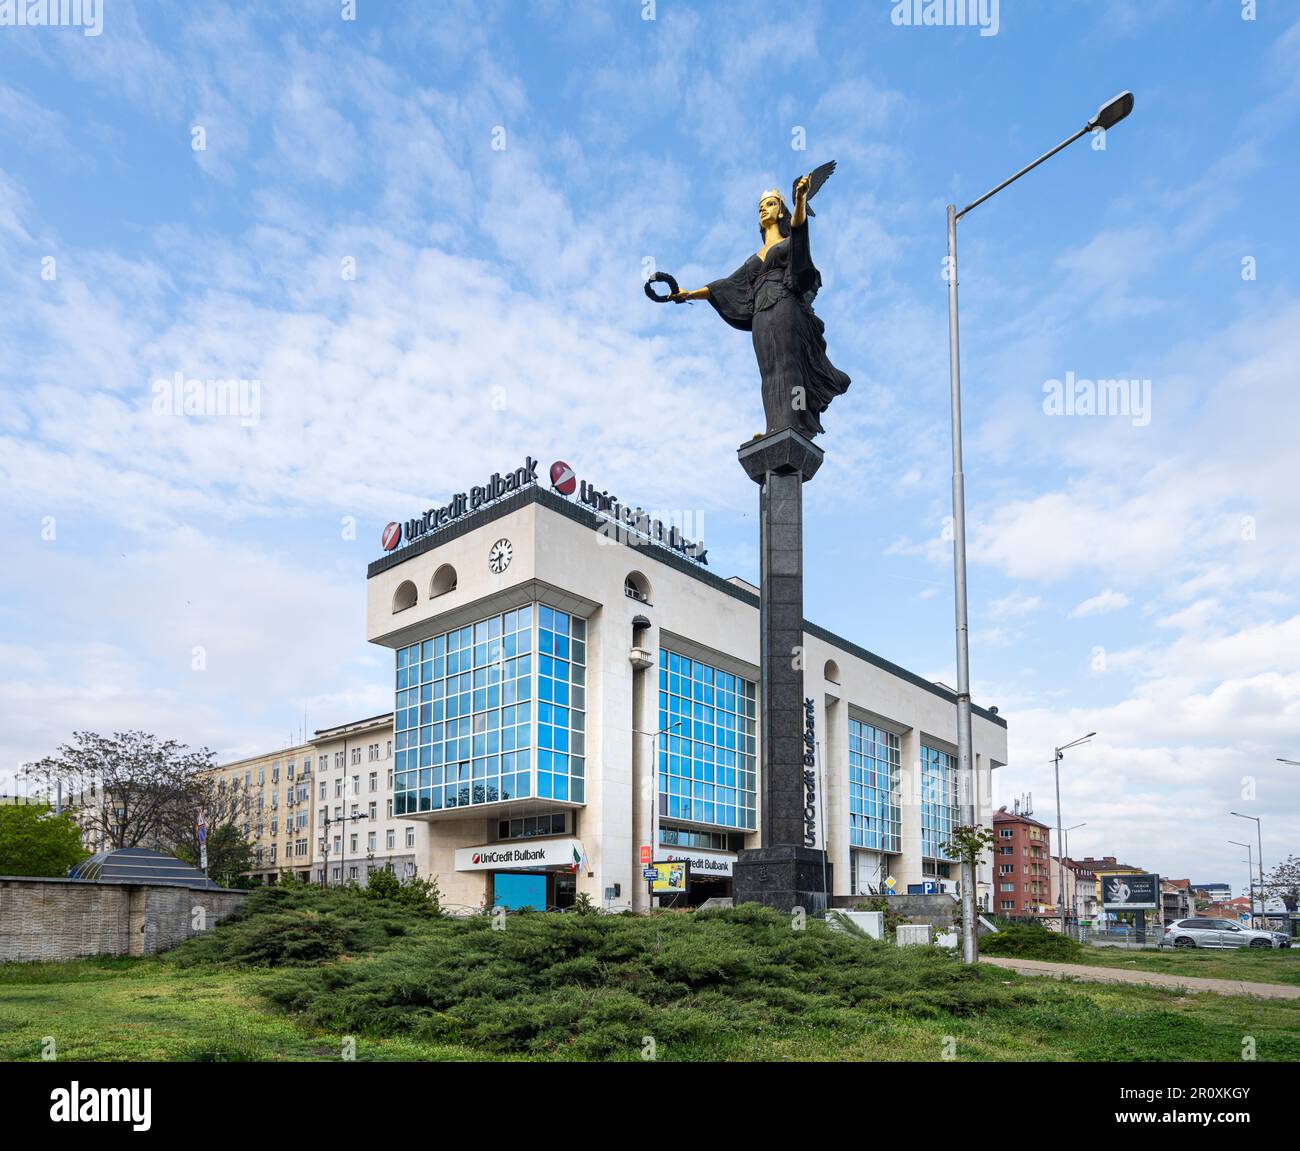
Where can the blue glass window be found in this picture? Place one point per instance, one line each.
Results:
(938, 801)
(707, 721)
(464, 705)
(875, 771)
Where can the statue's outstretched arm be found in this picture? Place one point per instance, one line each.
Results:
(697, 294)
(799, 216)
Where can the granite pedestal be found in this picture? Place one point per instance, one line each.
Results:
(788, 870)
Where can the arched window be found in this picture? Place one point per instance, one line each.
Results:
(637, 587)
(832, 671)
(444, 580)
(404, 596)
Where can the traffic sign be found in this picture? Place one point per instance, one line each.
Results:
(650, 873)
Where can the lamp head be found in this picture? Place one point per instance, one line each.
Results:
(1112, 112)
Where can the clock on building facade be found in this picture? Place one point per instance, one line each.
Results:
(499, 556)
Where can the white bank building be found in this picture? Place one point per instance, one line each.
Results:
(576, 694)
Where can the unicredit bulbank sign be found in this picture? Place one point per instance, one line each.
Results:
(523, 854)
(630, 525)
(703, 863)
(461, 504)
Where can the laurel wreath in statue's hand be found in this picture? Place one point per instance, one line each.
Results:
(661, 278)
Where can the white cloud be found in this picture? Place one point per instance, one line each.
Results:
(1101, 604)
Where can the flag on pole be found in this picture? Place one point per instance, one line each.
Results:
(203, 842)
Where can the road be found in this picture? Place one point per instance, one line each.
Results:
(1151, 978)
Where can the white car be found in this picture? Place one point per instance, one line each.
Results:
(1219, 933)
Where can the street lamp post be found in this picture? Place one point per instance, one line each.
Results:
(325, 846)
(654, 786)
(1259, 840)
(1250, 875)
(1107, 116)
(1058, 755)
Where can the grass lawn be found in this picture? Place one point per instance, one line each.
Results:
(152, 1010)
(721, 986)
(1255, 966)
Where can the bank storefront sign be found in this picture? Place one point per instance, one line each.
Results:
(522, 855)
(704, 864)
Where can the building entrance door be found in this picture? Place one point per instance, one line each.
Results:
(566, 888)
(702, 889)
(517, 889)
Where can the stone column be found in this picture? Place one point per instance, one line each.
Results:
(786, 871)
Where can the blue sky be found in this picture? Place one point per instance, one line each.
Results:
(1138, 579)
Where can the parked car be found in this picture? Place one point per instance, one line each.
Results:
(1219, 933)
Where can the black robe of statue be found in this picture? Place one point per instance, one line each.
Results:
(772, 298)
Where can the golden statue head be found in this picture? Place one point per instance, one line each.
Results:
(772, 209)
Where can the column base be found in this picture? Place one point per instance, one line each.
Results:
(783, 453)
(783, 877)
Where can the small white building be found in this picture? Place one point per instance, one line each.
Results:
(575, 693)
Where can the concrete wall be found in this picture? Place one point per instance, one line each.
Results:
(940, 911)
(52, 919)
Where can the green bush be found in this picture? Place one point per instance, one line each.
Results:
(296, 923)
(596, 985)
(1030, 941)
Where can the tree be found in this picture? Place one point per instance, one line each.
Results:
(969, 843)
(229, 854)
(35, 841)
(129, 789)
(1284, 881)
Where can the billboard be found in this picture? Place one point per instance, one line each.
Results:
(671, 878)
(1129, 892)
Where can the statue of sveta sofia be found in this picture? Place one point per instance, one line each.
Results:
(770, 295)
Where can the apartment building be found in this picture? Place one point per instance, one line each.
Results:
(356, 830)
(1022, 866)
(268, 798)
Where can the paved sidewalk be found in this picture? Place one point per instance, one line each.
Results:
(1153, 978)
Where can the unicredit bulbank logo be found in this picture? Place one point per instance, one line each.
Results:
(563, 478)
(634, 525)
(461, 504)
(477, 857)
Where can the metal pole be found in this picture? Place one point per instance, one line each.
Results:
(1250, 879)
(1060, 842)
(965, 783)
(1259, 839)
(1027, 168)
(1060, 859)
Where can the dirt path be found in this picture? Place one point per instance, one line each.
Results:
(1153, 978)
